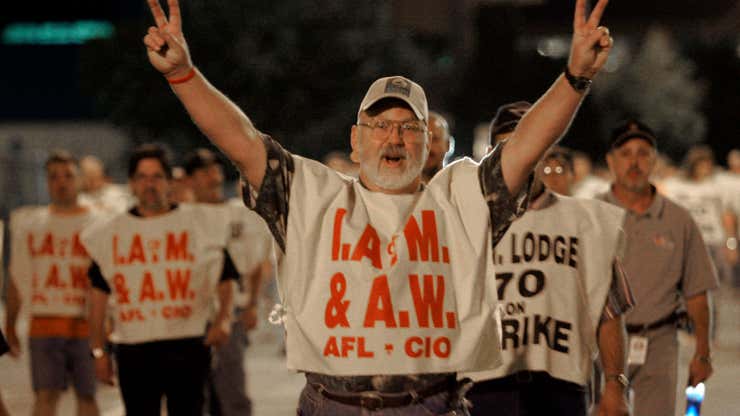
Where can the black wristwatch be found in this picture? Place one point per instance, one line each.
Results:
(580, 84)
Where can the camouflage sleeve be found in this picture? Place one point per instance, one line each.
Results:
(503, 207)
(271, 201)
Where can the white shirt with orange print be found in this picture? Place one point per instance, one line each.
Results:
(388, 284)
(48, 263)
(162, 270)
(249, 245)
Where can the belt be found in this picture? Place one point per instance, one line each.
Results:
(373, 400)
(668, 320)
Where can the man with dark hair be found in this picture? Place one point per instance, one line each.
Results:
(47, 271)
(563, 294)
(162, 264)
(250, 246)
(384, 279)
(667, 265)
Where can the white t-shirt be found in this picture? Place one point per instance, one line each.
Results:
(249, 243)
(112, 198)
(375, 283)
(48, 263)
(730, 186)
(553, 274)
(705, 200)
(162, 270)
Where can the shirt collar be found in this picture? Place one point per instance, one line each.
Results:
(655, 210)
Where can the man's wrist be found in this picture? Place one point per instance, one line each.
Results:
(704, 358)
(180, 75)
(617, 380)
(731, 243)
(580, 83)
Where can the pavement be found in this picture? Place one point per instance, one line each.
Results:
(274, 390)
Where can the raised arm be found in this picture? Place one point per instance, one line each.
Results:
(550, 116)
(216, 116)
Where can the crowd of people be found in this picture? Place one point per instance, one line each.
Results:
(410, 284)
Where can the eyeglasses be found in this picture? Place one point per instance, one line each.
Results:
(557, 170)
(409, 130)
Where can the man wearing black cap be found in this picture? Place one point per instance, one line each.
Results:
(667, 265)
(385, 282)
(250, 246)
(551, 332)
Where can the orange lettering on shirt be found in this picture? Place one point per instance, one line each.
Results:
(148, 291)
(178, 282)
(368, 246)
(331, 347)
(78, 275)
(136, 252)
(336, 241)
(379, 306)
(119, 283)
(117, 258)
(29, 242)
(52, 278)
(78, 250)
(47, 247)
(391, 249)
(177, 249)
(428, 301)
(422, 244)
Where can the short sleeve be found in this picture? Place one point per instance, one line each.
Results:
(96, 278)
(503, 207)
(271, 201)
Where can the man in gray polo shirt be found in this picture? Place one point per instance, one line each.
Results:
(667, 265)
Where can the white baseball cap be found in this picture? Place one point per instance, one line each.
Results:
(397, 87)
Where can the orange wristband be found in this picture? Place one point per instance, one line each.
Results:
(185, 78)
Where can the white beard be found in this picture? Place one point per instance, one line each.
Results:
(390, 180)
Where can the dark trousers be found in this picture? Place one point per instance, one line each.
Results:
(527, 394)
(175, 369)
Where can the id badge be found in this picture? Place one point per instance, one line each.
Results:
(638, 350)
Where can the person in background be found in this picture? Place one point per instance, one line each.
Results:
(162, 264)
(48, 267)
(552, 332)
(439, 139)
(250, 247)
(586, 184)
(668, 268)
(97, 189)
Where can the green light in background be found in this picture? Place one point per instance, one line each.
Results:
(56, 33)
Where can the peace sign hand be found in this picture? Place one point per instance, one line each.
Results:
(591, 43)
(166, 46)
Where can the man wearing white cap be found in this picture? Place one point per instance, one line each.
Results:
(386, 283)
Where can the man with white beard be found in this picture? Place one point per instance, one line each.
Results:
(385, 281)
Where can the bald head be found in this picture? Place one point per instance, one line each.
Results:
(93, 173)
(440, 144)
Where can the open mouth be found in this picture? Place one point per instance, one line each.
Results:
(392, 160)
